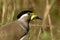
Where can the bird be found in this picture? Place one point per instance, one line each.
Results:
(19, 28)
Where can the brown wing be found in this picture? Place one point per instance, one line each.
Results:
(11, 31)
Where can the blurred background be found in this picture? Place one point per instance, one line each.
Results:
(48, 10)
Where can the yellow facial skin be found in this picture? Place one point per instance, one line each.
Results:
(33, 16)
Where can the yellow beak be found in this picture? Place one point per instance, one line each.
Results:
(33, 16)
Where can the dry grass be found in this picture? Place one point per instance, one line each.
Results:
(49, 10)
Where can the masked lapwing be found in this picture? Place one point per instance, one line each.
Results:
(17, 29)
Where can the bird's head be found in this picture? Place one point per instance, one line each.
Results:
(27, 15)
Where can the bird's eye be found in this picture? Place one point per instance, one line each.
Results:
(28, 13)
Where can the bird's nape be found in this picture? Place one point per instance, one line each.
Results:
(23, 12)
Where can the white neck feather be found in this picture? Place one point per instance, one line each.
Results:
(23, 16)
